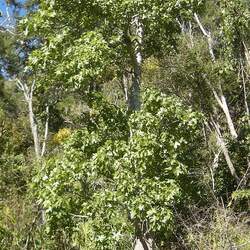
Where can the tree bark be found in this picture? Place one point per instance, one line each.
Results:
(221, 100)
(125, 87)
(134, 97)
(225, 151)
(143, 244)
(143, 240)
(244, 84)
(28, 95)
(208, 35)
(34, 129)
(46, 131)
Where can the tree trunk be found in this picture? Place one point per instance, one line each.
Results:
(225, 151)
(221, 100)
(143, 244)
(143, 240)
(208, 35)
(46, 131)
(227, 158)
(125, 86)
(34, 129)
(134, 98)
(225, 108)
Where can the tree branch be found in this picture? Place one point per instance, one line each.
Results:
(207, 34)
(224, 149)
(46, 131)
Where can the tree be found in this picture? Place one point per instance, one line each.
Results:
(85, 44)
(126, 172)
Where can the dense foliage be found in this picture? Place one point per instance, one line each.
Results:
(131, 168)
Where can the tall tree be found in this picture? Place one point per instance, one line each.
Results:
(86, 43)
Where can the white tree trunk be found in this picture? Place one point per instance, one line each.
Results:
(244, 83)
(208, 35)
(225, 151)
(228, 117)
(143, 244)
(221, 100)
(125, 87)
(134, 103)
(46, 131)
(28, 95)
(227, 157)
(34, 129)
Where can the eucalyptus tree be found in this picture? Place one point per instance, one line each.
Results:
(207, 73)
(229, 53)
(13, 56)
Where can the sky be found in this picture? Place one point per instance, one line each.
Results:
(3, 23)
(3, 6)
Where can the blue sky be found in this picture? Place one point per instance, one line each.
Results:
(2, 9)
(3, 6)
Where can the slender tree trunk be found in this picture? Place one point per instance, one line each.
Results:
(39, 152)
(247, 55)
(125, 87)
(34, 129)
(28, 95)
(214, 166)
(220, 98)
(222, 102)
(46, 131)
(208, 35)
(143, 244)
(134, 100)
(225, 151)
(244, 84)
(227, 157)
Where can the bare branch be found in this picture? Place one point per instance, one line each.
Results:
(208, 35)
(32, 88)
(244, 89)
(19, 84)
(221, 99)
(205, 33)
(46, 131)
(181, 24)
(222, 144)
(23, 87)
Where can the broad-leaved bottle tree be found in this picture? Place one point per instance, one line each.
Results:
(87, 42)
(122, 175)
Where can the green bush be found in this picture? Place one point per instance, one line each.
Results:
(122, 176)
